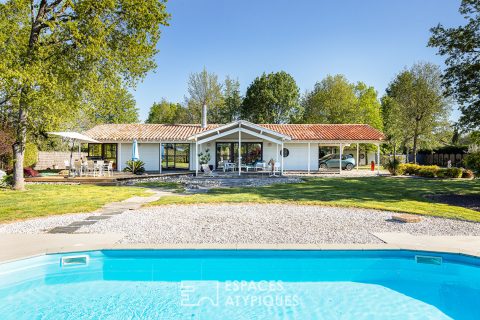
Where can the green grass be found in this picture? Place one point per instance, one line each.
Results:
(170, 186)
(42, 200)
(393, 194)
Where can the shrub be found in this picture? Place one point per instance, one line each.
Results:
(6, 181)
(472, 162)
(428, 171)
(450, 173)
(135, 166)
(392, 165)
(31, 155)
(467, 174)
(410, 168)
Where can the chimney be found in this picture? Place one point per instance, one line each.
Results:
(204, 116)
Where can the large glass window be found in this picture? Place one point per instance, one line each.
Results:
(103, 151)
(228, 152)
(175, 156)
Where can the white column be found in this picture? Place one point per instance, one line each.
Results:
(239, 153)
(340, 159)
(196, 157)
(160, 157)
(283, 154)
(358, 156)
(378, 158)
(308, 158)
(119, 157)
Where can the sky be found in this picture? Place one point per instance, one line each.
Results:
(366, 40)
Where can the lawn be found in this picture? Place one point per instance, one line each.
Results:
(383, 193)
(42, 200)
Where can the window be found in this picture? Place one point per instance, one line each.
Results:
(228, 152)
(175, 156)
(285, 152)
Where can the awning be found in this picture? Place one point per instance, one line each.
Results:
(78, 137)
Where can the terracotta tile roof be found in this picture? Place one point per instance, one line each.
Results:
(179, 132)
(327, 131)
(145, 132)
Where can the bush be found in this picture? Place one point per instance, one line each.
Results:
(472, 162)
(467, 174)
(410, 168)
(392, 165)
(6, 181)
(450, 173)
(31, 155)
(428, 171)
(135, 167)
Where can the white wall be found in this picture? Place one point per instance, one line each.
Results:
(148, 153)
(298, 156)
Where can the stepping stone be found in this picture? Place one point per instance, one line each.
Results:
(82, 223)
(406, 218)
(97, 218)
(66, 229)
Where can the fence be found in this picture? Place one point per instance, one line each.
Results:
(54, 159)
(441, 159)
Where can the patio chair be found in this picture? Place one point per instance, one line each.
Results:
(108, 167)
(275, 170)
(260, 165)
(91, 168)
(206, 170)
(99, 164)
(78, 168)
(67, 164)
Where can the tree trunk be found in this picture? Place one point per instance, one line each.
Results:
(19, 150)
(415, 139)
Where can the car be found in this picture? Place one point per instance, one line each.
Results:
(333, 160)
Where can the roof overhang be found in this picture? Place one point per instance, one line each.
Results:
(240, 126)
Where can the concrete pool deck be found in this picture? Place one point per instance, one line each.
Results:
(19, 246)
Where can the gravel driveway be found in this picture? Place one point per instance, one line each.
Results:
(252, 223)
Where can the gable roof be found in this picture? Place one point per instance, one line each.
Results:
(181, 132)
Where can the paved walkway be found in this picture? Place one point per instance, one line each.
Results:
(109, 210)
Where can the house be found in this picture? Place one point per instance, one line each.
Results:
(167, 146)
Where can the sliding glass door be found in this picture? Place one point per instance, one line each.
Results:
(228, 152)
(176, 156)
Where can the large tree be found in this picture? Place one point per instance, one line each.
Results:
(336, 100)
(205, 89)
(168, 112)
(461, 47)
(271, 98)
(59, 54)
(232, 100)
(415, 109)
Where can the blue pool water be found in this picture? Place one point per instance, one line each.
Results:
(180, 284)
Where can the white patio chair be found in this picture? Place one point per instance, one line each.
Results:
(78, 168)
(91, 168)
(99, 164)
(206, 170)
(108, 167)
(276, 169)
(261, 165)
(67, 164)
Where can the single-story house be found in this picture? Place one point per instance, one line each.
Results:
(177, 146)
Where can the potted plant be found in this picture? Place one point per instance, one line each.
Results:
(135, 167)
(204, 158)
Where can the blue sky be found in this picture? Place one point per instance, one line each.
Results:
(369, 41)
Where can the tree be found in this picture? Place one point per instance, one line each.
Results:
(414, 107)
(204, 89)
(336, 100)
(167, 112)
(232, 100)
(461, 46)
(57, 54)
(271, 98)
(114, 106)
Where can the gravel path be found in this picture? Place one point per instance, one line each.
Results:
(253, 223)
(230, 223)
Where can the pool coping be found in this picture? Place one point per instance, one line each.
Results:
(18, 247)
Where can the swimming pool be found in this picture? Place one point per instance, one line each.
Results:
(250, 284)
